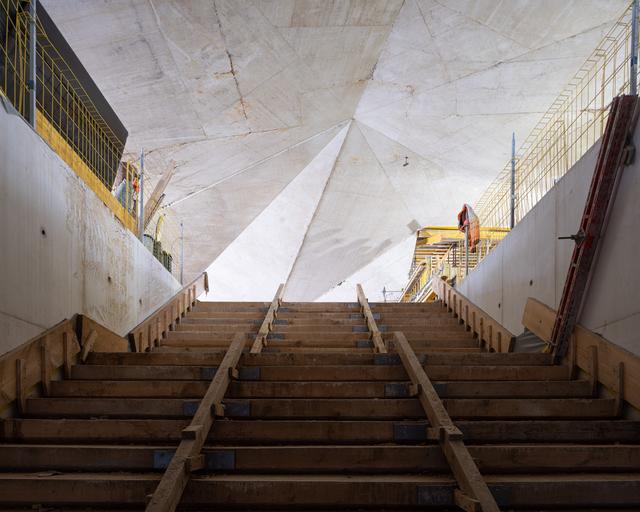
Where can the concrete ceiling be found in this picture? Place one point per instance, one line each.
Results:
(289, 121)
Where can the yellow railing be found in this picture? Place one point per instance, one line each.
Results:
(451, 264)
(573, 123)
(66, 117)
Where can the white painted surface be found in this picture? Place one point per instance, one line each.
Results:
(262, 257)
(226, 89)
(388, 271)
(45, 278)
(532, 262)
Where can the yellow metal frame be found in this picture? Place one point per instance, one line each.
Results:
(439, 251)
(73, 160)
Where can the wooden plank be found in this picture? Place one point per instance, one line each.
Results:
(539, 319)
(168, 493)
(267, 323)
(481, 324)
(149, 332)
(376, 337)
(265, 388)
(289, 431)
(106, 340)
(153, 203)
(531, 431)
(462, 464)
(31, 354)
(354, 408)
(324, 492)
(343, 459)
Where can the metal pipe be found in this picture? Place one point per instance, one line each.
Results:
(181, 253)
(141, 219)
(466, 249)
(513, 181)
(633, 76)
(32, 63)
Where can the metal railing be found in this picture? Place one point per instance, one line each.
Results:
(66, 117)
(573, 123)
(452, 265)
(69, 121)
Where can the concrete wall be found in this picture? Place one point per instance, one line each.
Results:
(532, 262)
(61, 249)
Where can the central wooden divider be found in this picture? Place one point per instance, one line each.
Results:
(376, 337)
(267, 323)
(474, 494)
(188, 456)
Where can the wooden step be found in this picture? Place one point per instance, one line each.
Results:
(198, 314)
(333, 490)
(324, 408)
(258, 389)
(267, 359)
(324, 373)
(262, 373)
(356, 459)
(316, 389)
(228, 327)
(254, 408)
(268, 432)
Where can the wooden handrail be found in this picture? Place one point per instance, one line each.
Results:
(474, 493)
(488, 330)
(604, 367)
(150, 331)
(50, 355)
(34, 362)
(374, 332)
(188, 456)
(267, 323)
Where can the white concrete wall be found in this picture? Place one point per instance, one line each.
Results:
(45, 278)
(532, 262)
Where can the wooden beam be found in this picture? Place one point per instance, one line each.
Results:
(488, 330)
(267, 323)
(595, 355)
(33, 354)
(167, 495)
(464, 468)
(374, 332)
(148, 333)
(152, 204)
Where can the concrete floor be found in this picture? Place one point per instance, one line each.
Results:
(289, 121)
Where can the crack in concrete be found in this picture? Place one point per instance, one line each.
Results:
(232, 69)
(254, 164)
(235, 80)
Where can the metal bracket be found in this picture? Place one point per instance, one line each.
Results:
(578, 238)
(410, 432)
(397, 390)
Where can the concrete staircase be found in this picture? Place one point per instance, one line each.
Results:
(318, 420)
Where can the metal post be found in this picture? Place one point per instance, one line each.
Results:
(141, 219)
(32, 63)
(181, 253)
(513, 181)
(466, 249)
(633, 76)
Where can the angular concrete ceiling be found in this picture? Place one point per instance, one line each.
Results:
(289, 122)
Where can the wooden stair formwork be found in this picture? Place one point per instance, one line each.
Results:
(318, 417)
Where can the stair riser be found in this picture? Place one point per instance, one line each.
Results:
(318, 408)
(319, 492)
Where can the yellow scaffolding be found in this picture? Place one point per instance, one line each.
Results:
(66, 118)
(573, 123)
